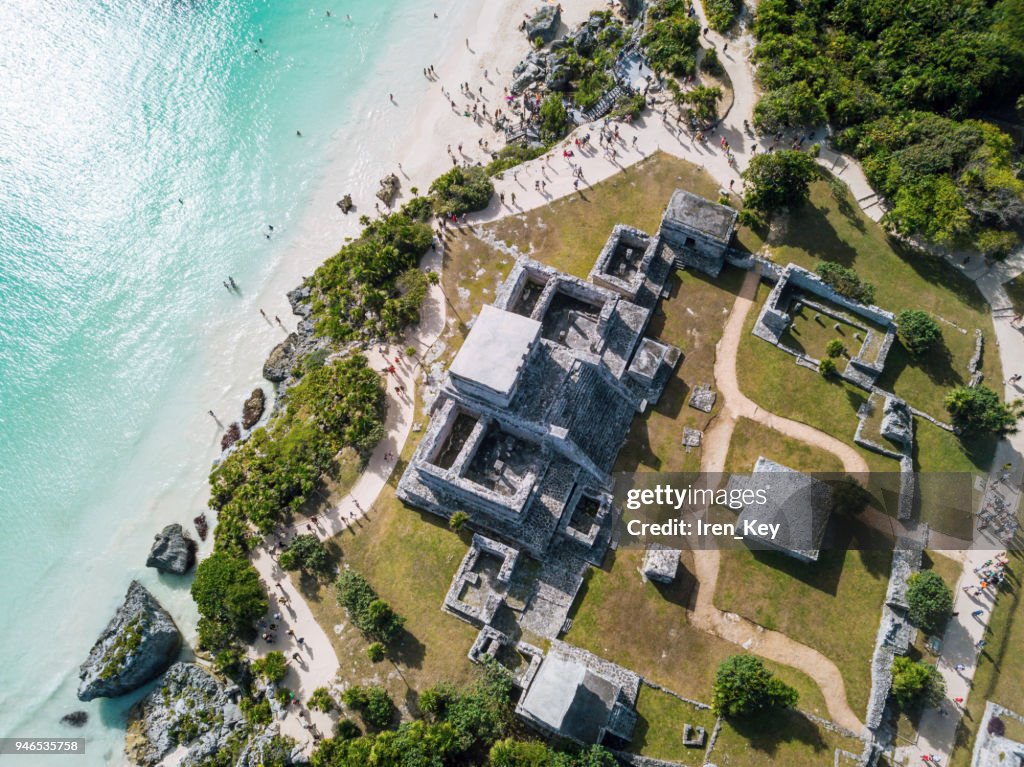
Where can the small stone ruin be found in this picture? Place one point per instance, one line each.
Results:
(693, 736)
(703, 398)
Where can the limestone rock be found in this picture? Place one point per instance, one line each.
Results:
(544, 24)
(189, 699)
(253, 408)
(138, 644)
(75, 719)
(173, 551)
(281, 360)
(531, 74)
(345, 203)
(632, 8)
(388, 188)
(231, 435)
(558, 78)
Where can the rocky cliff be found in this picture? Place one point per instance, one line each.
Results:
(138, 644)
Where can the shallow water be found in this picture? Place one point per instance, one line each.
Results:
(145, 146)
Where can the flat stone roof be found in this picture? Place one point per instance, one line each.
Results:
(570, 699)
(496, 349)
(714, 220)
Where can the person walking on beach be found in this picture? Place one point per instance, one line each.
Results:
(264, 315)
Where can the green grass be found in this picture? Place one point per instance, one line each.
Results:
(784, 738)
(644, 627)
(659, 727)
(1000, 673)
(832, 228)
(692, 318)
(809, 334)
(751, 439)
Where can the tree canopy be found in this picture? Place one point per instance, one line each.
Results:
(228, 594)
(930, 601)
(978, 410)
(306, 552)
(371, 615)
(846, 282)
(743, 687)
(918, 331)
(916, 684)
(777, 180)
(461, 190)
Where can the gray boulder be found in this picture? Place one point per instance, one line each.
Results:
(189, 699)
(173, 551)
(632, 8)
(138, 645)
(544, 24)
(531, 74)
(281, 360)
(558, 78)
(252, 410)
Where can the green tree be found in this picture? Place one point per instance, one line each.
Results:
(554, 119)
(704, 102)
(461, 190)
(373, 616)
(273, 666)
(322, 700)
(376, 652)
(918, 331)
(777, 180)
(743, 687)
(835, 348)
(930, 601)
(227, 591)
(373, 703)
(306, 552)
(916, 684)
(827, 368)
(978, 410)
(846, 282)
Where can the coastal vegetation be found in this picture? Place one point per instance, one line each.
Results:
(778, 180)
(672, 37)
(229, 597)
(722, 13)
(460, 190)
(372, 286)
(897, 82)
(307, 553)
(339, 404)
(374, 617)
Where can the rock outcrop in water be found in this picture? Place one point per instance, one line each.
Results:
(138, 644)
(75, 719)
(253, 408)
(193, 709)
(281, 360)
(173, 551)
(231, 435)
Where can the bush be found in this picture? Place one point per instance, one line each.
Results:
(703, 101)
(322, 700)
(835, 348)
(828, 368)
(346, 729)
(371, 615)
(996, 726)
(273, 667)
(257, 712)
(978, 410)
(229, 598)
(306, 552)
(671, 38)
(629, 106)
(743, 687)
(512, 155)
(777, 180)
(918, 331)
(461, 190)
(373, 703)
(750, 219)
(710, 63)
(554, 119)
(930, 601)
(721, 13)
(846, 282)
(376, 652)
(916, 684)
(993, 243)
(458, 520)
(848, 496)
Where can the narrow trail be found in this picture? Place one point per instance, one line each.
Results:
(730, 626)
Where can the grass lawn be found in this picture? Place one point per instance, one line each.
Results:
(692, 318)
(569, 233)
(832, 228)
(751, 439)
(1000, 673)
(810, 332)
(643, 626)
(785, 737)
(659, 727)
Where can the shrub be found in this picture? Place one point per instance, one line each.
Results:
(721, 13)
(306, 552)
(513, 155)
(257, 712)
(704, 102)
(461, 190)
(671, 38)
(916, 684)
(848, 496)
(750, 219)
(930, 601)
(846, 282)
(814, 150)
(373, 703)
(835, 348)
(710, 63)
(994, 243)
(371, 615)
(229, 598)
(777, 180)
(322, 700)
(629, 106)
(918, 331)
(554, 119)
(978, 410)
(273, 666)
(375, 652)
(346, 729)
(827, 368)
(743, 687)
(458, 520)
(996, 726)
(283, 695)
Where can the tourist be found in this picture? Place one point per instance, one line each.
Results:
(960, 667)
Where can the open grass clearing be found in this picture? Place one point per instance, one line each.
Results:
(785, 737)
(659, 727)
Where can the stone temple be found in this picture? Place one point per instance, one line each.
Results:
(522, 438)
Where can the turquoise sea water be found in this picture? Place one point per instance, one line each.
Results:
(116, 334)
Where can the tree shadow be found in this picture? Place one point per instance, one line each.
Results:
(768, 732)
(809, 229)
(407, 650)
(937, 364)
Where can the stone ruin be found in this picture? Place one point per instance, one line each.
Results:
(522, 438)
(693, 735)
(797, 287)
(660, 564)
(703, 398)
(692, 437)
(699, 230)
